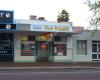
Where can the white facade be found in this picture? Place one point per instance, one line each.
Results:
(36, 28)
(89, 37)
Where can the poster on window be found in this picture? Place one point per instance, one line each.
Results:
(60, 49)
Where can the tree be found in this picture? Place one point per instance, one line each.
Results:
(94, 6)
(63, 16)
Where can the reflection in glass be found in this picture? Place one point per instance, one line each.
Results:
(27, 48)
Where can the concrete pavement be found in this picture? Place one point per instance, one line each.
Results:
(49, 65)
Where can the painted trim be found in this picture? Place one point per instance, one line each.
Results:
(24, 61)
(62, 60)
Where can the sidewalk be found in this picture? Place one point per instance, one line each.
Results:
(49, 65)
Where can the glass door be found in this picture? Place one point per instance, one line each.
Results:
(95, 50)
(44, 50)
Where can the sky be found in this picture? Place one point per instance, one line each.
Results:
(78, 11)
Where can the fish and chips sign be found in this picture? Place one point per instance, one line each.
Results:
(49, 28)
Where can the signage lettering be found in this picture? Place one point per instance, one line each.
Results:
(6, 16)
(6, 20)
(4, 45)
(1, 15)
(59, 29)
(37, 27)
(7, 26)
(50, 28)
(3, 51)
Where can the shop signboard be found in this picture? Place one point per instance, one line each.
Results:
(7, 26)
(6, 16)
(7, 20)
(46, 28)
(78, 29)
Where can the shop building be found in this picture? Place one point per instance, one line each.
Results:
(40, 40)
(86, 46)
(36, 41)
(65, 44)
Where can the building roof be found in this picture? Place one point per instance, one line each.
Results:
(40, 22)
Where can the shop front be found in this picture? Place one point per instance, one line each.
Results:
(36, 46)
(86, 46)
(41, 41)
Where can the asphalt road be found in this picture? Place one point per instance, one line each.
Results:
(64, 75)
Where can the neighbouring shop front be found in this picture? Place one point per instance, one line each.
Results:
(7, 28)
(86, 46)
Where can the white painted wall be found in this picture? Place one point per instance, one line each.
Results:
(68, 57)
(17, 51)
(87, 35)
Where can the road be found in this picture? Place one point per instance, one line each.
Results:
(64, 75)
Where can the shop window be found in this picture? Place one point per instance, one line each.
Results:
(60, 49)
(27, 48)
(81, 47)
(57, 38)
(31, 38)
(96, 50)
(94, 47)
(60, 38)
(99, 56)
(94, 56)
(28, 38)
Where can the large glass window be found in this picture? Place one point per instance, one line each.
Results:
(94, 47)
(27, 48)
(96, 50)
(57, 38)
(94, 56)
(60, 49)
(60, 38)
(81, 47)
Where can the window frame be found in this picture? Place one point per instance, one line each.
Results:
(28, 51)
(81, 47)
(57, 49)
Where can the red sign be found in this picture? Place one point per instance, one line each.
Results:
(48, 34)
(43, 46)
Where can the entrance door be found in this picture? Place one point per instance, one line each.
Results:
(96, 50)
(6, 47)
(43, 50)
